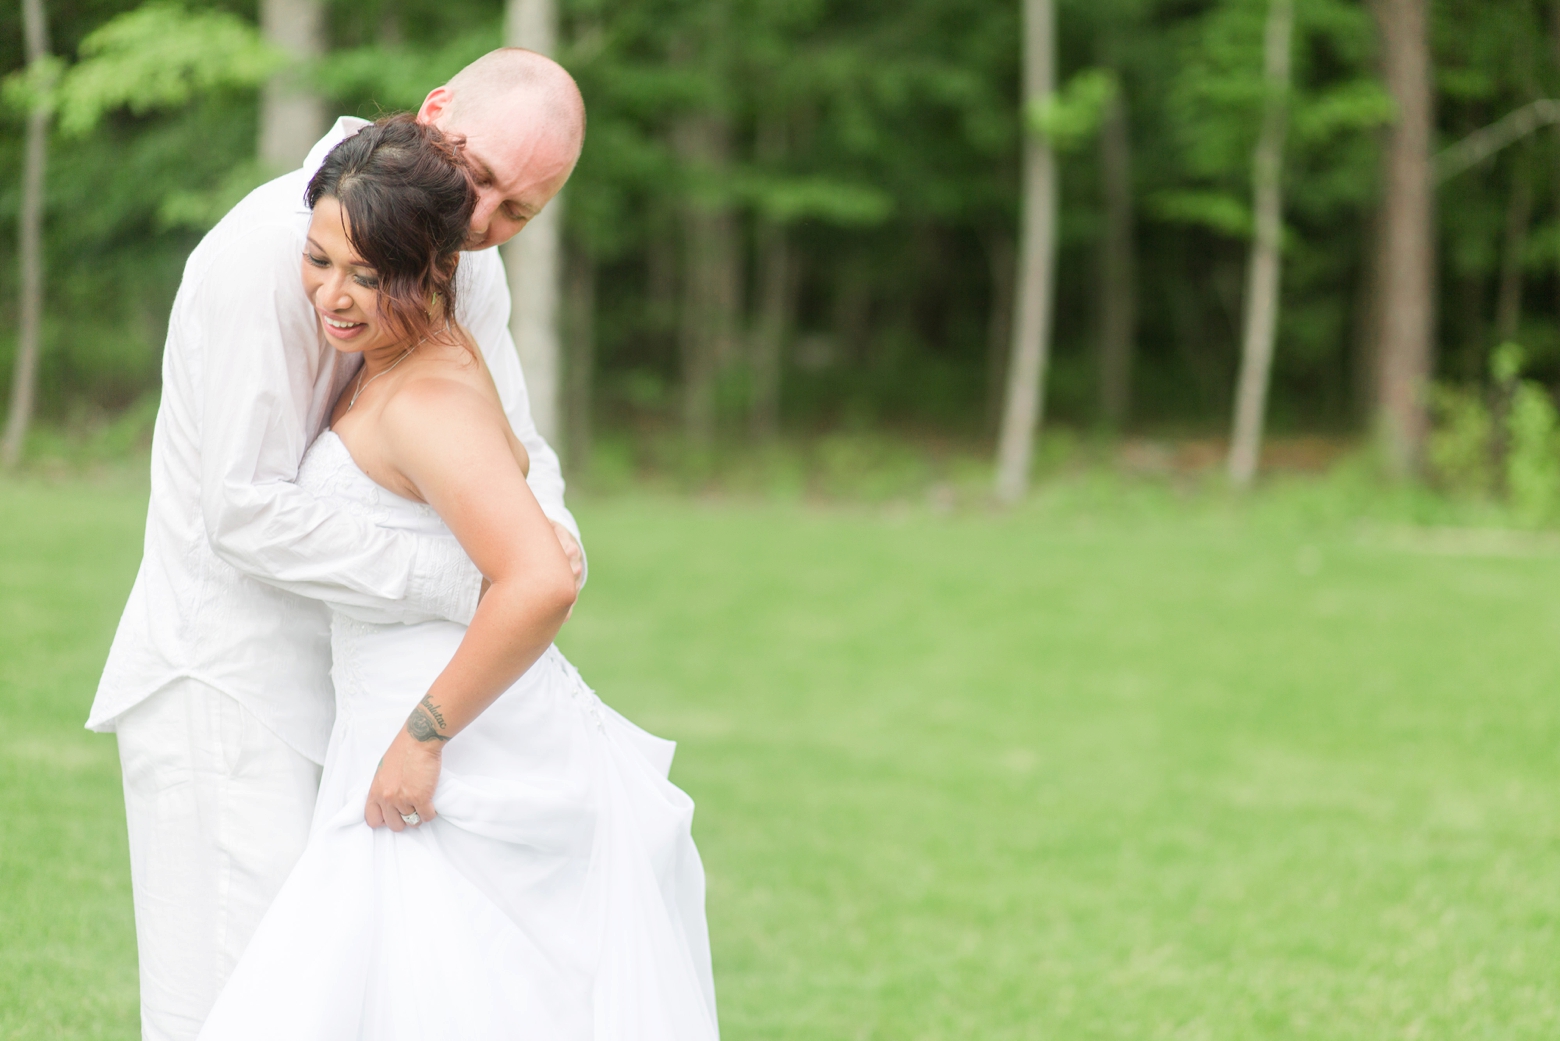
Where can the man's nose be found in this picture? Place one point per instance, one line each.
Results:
(482, 214)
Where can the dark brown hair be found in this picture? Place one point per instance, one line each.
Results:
(408, 197)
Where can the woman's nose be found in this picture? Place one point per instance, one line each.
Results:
(334, 295)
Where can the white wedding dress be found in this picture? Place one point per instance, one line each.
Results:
(556, 896)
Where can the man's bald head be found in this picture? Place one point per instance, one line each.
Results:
(523, 122)
(514, 77)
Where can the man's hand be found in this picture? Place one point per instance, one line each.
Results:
(571, 549)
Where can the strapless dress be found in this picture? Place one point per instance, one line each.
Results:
(556, 896)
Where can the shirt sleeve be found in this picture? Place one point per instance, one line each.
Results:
(484, 308)
(260, 384)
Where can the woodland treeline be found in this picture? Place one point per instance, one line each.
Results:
(807, 214)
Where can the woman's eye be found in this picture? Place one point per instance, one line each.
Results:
(366, 282)
(317, 261)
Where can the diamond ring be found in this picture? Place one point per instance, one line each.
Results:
(411, 818)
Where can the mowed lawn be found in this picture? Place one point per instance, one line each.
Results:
(1170, 773)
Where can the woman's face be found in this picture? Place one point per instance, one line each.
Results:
(343, 289)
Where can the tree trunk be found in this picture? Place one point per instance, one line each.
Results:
(1365, 365)
(1408, 253)
(1519, 213)
(777, 294)
(1262, 273)
(1118, 263)
(579, 373)
(292, 117)
(661, 274)
(711, 279)
(999, 321)
(777, 304)
(532, 258)
(24, 379)
(1025, 398)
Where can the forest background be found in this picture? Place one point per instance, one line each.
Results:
(808, 216)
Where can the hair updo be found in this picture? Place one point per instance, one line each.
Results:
(408, 197)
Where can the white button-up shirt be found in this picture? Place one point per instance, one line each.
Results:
(238, 558)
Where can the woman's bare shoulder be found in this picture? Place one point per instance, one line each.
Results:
(441, 394)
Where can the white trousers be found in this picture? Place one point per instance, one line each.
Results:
(218, 810)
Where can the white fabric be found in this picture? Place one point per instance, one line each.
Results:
(236, 554)
(218, 810)
(557, 895)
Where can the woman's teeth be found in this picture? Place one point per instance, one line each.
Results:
(341, 325)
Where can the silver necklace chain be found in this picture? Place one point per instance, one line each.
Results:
(363, 383)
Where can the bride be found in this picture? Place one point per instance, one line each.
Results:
(495, 854)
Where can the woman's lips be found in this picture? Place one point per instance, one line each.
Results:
(341, 330)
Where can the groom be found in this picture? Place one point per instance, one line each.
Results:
(218, 682)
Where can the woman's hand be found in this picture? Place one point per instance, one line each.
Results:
(407, 775)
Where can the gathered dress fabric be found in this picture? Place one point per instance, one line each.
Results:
(556, 895)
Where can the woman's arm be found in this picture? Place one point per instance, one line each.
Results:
(245, 314)
(448, 441)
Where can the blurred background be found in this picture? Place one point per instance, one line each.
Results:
(808, 218)
(1077, 479)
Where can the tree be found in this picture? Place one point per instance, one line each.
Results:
(1025, 396)
(1262, 278)
(1407, 260)
(533, 257)
(292, 115)
(711, 268)
(580, 362)
(30, 251)
(1118, 265)
(776, 302)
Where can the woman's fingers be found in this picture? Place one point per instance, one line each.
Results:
(392, 813)
(403, 786)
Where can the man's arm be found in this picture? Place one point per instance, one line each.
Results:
(259, 386)
(484, 312)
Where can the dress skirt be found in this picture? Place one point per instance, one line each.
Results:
(557, 894)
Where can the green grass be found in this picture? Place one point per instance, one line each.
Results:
(1109, 766)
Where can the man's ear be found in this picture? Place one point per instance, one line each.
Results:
(434, 106)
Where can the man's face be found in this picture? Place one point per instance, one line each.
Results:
(519, 166)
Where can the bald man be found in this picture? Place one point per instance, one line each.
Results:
(218, 682)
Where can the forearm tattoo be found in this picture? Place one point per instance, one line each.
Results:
(426, 723)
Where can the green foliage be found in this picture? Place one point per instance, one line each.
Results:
(200, 209)
(1533, 458)
(1461, 444)
(885, 141)
(157, 57)
(398, 77)
(786, 200)
(1069, 118)
(33, 85)
(1511, 451)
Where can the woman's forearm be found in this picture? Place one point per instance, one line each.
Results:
(514, 625)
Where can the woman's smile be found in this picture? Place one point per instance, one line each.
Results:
(340, 329)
